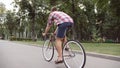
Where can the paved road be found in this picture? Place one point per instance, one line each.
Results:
(14, 55)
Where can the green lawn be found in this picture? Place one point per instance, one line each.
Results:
(37, 43)
(104, 48)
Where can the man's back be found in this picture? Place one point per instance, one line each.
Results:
(60, 17)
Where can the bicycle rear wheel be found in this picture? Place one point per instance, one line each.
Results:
(48, 50)
(75, 57)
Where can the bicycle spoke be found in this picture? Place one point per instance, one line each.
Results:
(75, 57)
(48, 50)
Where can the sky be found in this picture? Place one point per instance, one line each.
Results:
(7, 4)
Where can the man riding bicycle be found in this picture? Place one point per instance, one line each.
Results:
(62, 20)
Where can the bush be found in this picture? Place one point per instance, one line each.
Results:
(109, 41)
(12, 38)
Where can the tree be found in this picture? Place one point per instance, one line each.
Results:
(108, 13)
(93, 18)
(2, 16)
(10, 23)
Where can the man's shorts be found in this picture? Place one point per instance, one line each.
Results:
(61, 31)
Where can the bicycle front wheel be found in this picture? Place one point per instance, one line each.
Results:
(75, 56)
(48, 50)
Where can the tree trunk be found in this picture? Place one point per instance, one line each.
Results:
(73, 28)
(33, 28)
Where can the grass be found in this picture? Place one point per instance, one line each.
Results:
(37, 43)
(103, 48)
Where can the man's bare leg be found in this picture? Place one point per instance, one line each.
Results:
(59, 48)
(65, 40)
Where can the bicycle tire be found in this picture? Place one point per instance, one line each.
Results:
(75, 57)
(48, 50)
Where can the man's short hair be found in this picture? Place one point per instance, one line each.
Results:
(54, 8)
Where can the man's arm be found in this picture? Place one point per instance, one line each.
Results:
(47, 29)
(49, 24)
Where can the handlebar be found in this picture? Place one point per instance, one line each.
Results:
(49, 35)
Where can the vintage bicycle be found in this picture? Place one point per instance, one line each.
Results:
(73, 57)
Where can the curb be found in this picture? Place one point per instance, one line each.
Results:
(105, 56)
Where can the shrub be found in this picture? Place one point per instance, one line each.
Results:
(109, 41)
(12, 38)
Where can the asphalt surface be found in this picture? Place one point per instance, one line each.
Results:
(15, 55)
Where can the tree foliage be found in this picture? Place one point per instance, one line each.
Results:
(93, 19)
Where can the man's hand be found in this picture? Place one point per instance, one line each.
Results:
(43, 34)
(46, 30)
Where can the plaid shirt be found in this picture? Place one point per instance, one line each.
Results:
(59, 17)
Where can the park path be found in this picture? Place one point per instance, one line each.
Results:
(15, 55)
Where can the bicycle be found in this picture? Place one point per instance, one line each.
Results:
(74, 57)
